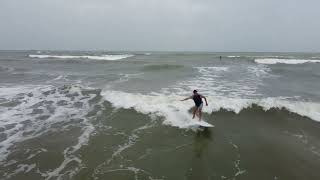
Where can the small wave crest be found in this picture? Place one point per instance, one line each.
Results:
(176, 113)
(285, 61)
(155, 67)
(6, 69)
(233, 56)
(208, 69)
(102, 57)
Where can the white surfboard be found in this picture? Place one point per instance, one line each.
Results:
(201, 123)
(204, 124)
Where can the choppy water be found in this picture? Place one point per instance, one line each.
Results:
(117, 115)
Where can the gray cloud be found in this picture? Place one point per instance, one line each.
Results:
(206, 25)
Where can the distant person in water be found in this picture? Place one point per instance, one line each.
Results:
(197, 98)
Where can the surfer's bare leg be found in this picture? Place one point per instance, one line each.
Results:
(194, 112)
(200, 114)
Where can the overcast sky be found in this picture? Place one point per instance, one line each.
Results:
(174, 25)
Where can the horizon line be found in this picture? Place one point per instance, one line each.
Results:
(192, 51)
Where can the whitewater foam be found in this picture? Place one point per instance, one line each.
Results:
(102, 57)
(213, 80)
(285, 61)
(37, 111)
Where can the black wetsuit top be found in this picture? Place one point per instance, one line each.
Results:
(197, 99)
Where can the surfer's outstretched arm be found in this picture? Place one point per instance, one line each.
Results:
(205, 99)
(186, 99)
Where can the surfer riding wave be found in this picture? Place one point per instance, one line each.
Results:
(197, 98)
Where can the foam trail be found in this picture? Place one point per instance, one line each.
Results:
(102, 57)
(176, 112)
(285, 61)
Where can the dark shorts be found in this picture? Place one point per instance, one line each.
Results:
(200, 106)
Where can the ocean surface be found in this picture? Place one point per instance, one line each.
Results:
(91, 115)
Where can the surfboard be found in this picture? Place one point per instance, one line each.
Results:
(201, 123)
(204, 124)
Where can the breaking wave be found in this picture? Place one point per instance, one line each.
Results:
(176, 112)
(285, 61)
(102, 57)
